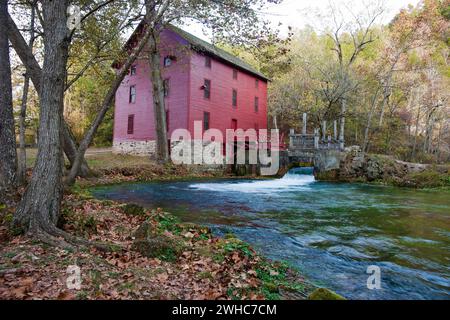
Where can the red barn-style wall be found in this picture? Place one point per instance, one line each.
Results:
(134, 125)
(220, 105)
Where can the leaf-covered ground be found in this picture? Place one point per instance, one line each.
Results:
(199, 266)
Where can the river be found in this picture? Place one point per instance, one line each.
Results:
(330, 232)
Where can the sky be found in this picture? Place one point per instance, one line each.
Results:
(299, 13)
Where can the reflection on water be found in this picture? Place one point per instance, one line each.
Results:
(331, 232)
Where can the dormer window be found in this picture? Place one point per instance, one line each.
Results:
(168, 61)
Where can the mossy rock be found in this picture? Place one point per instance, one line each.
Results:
(332, 175)
(325, 294)
(143, 232)
(271, 287)
(133, 210)
(159, 246)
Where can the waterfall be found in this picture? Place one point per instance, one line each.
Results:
(295, 179)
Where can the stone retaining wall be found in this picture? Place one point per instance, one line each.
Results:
(136, 148)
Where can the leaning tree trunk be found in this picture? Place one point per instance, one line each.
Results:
(38, 212)
(107, 102)
(8, 155)
(162, 148)
(33, 69)
(22, 168)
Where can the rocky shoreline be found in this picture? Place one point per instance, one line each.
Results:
(355, 166)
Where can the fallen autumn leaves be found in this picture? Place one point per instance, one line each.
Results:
(201, 266)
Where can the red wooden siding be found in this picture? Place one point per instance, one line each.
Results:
(220, 105)
(185, 81)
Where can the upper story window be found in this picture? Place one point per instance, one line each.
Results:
(256, 104)
(256, 83)
(132, 94)
(166, 87)
(169, 60)
(133, 70)
(208, 62)
(235, 74)
(130, 129)
(206, 119)
(234, 98)
(207, 89)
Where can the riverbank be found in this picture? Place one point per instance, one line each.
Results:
(172, 261)
(152, 256)
(381, 169)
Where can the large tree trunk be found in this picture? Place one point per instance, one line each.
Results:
(38, 212)
(22, 169)
(34, 71)
(162, 148)
(8, 154)
(107, 102)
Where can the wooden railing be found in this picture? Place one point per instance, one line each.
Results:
(319, 140)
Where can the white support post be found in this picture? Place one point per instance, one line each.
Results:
(316, 138)
(324, 130)
(305, 119)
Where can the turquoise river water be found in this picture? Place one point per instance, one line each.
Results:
(330, 232)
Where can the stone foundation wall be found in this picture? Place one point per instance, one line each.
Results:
(136, 148)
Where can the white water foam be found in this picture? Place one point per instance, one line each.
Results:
(289, 182)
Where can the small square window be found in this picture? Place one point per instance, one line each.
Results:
(235, 74)
(207, 89)
(132, 94)
(130, 129)
(235, 98)
(133, 70)
(208, 62)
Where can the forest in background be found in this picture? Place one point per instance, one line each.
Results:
(393, 78)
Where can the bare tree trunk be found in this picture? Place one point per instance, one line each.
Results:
(162, 148)
(8, 154)
(413, 154)
(70, 148)
(22, 169)
(107, 102)
(369, 121)
(342, 129)
(438, 153)
(39, 210)
(34, 71)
